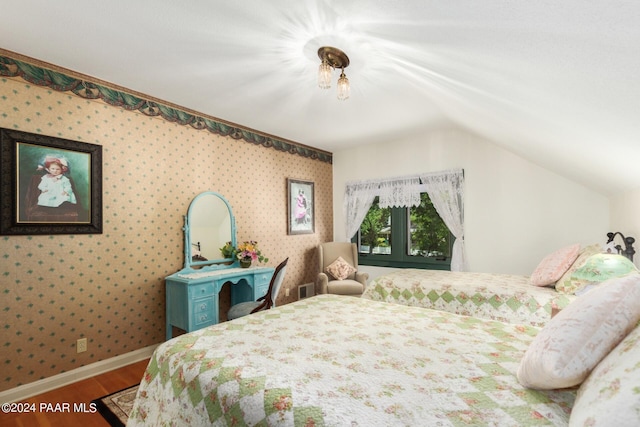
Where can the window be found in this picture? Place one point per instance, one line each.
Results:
(405, 237)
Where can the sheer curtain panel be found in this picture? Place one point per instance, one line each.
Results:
(446, 191)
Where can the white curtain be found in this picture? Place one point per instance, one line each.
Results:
(358, 199)
(445, 189)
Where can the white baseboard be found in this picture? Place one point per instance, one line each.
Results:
(47, 384)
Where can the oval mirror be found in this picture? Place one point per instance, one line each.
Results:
(209, 224)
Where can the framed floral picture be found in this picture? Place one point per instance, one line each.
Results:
(49, 185)
(300, 202)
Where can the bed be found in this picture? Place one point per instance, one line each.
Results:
(531, 299)
(342, 361)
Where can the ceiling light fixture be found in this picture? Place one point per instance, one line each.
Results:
(333, 58)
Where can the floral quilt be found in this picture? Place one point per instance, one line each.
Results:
(504, 297)
(333, 360)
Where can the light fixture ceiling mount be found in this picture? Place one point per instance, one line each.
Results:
(333, 58)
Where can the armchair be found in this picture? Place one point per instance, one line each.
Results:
(338, 270)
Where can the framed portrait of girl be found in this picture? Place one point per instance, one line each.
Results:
(49, 185)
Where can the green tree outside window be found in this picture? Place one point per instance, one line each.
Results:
(405, 237)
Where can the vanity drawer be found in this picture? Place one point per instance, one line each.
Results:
(204, 318)
(203, 305)
(261, 290)
(202, 290)
(263, 279)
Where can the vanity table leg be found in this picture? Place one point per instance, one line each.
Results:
(169, 328)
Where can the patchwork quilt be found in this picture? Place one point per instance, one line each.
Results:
(333, 360)
(503, 297)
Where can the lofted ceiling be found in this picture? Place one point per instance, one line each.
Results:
(555, 82)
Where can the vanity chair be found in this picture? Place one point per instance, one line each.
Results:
(265, 302)
(338, 270)
(192, 293)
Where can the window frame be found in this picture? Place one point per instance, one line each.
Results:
(400, 238)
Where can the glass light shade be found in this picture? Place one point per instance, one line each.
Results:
(344, 89)
(324, 75)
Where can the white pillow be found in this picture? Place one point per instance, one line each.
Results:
(573, 342)
(611, 394)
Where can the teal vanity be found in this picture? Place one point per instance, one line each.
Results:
(192, 293)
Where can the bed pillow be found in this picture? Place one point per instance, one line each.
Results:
(601, 267)
(554, 265)
(598, 268)
(565, 285)
(573, 342)
(340, 269)
(611, 394)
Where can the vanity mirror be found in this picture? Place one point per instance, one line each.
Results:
(208, 225)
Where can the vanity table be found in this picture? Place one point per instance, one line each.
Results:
(192, 293)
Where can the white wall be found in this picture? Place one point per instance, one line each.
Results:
(625, 218)
(515, 211)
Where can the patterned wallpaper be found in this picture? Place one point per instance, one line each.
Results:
(110, 287)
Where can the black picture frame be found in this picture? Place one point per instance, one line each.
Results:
(49, 185)
(300, 207)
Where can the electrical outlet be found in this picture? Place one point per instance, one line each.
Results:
(286, 292)
(81, 345)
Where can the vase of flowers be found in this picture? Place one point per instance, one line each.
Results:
(247, 252)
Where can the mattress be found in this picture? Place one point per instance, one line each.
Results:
(503, 297)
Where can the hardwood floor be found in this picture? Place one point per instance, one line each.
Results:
(83, 391)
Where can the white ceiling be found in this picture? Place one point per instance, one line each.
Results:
(557, 82)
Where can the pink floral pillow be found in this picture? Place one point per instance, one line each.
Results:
(567, 349)
(554, 265)
(340, 269)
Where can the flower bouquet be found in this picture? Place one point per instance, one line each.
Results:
(248, 252)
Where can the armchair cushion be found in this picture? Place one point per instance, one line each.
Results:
(345, 287)
(340, 269)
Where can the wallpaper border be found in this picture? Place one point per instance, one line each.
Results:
(59, 79)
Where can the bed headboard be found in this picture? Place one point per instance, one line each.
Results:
(628, 251)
